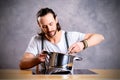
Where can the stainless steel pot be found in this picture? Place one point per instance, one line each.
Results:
(58, 63)
(59, 60)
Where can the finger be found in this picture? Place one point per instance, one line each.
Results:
(71, 48)
(42, 59)
(42, 56)
(76, 49)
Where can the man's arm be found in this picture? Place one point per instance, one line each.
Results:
(28, 61)
(91, 40)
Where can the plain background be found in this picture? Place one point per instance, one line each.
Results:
(18, 24)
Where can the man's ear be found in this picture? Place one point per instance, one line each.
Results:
(56, 19)
(38, 21)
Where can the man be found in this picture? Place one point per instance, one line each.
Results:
(53, 39)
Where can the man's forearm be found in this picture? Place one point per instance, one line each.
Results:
(28, 63)
(94, 39)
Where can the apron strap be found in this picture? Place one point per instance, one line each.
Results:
(42, 43)
(67, 44)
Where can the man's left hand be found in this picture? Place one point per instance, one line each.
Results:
(76, 47)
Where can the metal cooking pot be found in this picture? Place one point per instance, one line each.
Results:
(59, 63)
(58, 60)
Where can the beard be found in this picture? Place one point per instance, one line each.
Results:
(51, 33)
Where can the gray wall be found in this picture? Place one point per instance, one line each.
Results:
(18, 25)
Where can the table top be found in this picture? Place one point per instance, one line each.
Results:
(102, 74)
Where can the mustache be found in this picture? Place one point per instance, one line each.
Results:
(51, 31)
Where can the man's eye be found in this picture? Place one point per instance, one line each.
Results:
(51, 24)
(44, 26)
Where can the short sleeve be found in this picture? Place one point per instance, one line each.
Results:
(32, 46)
(81, 36)
(76, 36)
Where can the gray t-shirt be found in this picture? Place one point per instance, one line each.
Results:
(35, 47)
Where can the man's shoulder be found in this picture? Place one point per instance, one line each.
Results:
(72, 32)
(36, 37)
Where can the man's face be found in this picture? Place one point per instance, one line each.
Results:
(48, 24)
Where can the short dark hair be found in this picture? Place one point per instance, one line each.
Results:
(45, 11)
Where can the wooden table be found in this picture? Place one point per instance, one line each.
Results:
(102, 74)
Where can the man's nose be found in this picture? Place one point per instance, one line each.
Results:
(49, 28)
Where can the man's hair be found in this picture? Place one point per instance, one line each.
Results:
(45, 11)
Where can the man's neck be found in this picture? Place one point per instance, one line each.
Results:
(55, 39)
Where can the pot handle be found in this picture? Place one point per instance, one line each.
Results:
(46, 63)
(78, 58)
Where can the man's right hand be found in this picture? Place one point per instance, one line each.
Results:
(42, 57)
